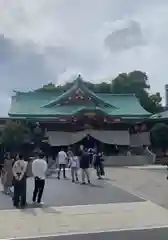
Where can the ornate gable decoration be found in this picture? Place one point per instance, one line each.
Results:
(77, 97)
(78, 94)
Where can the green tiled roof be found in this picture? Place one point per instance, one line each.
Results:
(78, 84)
(34, 104)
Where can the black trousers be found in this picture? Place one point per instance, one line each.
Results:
(38, 189)
(61, 166)
(100, 169)
(1, 168)
(19, 197)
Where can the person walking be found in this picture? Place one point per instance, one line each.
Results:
(39, 168)
(62, 162)
(69, 153)
(84, 165)
(7, 176)
(19, 176)
(98, 164)
(2, 161)
(74, 166)
(91, 154)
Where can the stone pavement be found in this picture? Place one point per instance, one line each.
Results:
(147, 182)
(65, 193)
(102, 207)
(81, 219)
(146, 234)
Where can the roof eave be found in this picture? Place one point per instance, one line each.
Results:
(79, 84)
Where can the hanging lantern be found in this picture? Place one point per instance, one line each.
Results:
(136, 128)
(62, 120)
(74, 119)
(37, 129)
(143, 127)
(117, 120)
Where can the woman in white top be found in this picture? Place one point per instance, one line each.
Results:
(19, 176)
(74, 166)
(62, 162)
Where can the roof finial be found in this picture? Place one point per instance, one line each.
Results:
(79, 78)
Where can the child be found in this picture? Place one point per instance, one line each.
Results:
(74, 165)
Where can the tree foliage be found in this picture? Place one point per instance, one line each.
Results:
(14, 134)
(135, 82)
(49, 86)
(159, 136)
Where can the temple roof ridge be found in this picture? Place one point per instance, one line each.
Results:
(79, 84)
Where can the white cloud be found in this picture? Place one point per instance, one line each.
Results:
(51, 40)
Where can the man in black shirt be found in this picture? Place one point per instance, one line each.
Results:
(84, 165)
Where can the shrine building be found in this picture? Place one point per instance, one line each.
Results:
(77, 114)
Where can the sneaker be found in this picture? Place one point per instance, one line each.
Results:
(23, 205)
(88, 181)
(16, 205)
(73, 181)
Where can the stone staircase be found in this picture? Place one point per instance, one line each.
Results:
(161, 160)
(137, 150)
(151, 155)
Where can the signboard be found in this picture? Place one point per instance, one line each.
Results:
(90, 114)
(116, 120)
(111, 119)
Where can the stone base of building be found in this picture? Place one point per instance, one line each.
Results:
(134, 160)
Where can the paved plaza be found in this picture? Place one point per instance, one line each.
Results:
(65, 193)
(154, 234)
(125, 200)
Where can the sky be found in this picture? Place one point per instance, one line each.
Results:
(44, 41)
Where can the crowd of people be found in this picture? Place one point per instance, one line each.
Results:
(83, 159)
(15, 170)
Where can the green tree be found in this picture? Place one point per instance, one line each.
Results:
(14, 135)
(102, 87)
(156, 99)
(159, 136)
(38, 135)
(133, 82)
(49, 86)
(136, 82)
